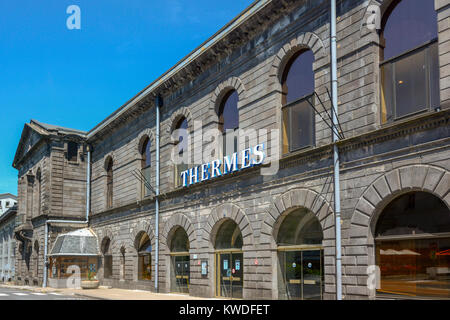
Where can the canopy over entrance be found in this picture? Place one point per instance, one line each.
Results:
(81, 242)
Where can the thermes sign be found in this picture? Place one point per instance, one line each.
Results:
(249, 158)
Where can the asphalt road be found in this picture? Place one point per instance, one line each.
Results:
(17, 294)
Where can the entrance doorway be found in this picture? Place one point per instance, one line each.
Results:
(230, 274)
(300, 257)
(303, 276)
(229, 260)
(180, 261)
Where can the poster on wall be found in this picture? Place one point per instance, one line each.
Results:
(225, 264)
(204, 268)
(238, 265)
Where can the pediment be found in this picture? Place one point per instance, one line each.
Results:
(31, 135)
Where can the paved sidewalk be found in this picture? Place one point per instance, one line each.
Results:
(109, 294)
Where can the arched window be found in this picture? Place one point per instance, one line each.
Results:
(36, 258)
(300, 256)
(228, 114)
(409, 70)
(228, 236)
(181, 148)
(412, 238)
(180, 241)
(122, 264)
(297, 97)
(109, 183)
(107, 258)
(144, 257)
(39, 191)
(146, 164)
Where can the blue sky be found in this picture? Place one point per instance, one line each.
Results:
(76, 78)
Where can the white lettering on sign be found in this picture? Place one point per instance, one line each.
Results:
(249, 158)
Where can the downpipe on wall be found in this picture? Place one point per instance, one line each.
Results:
(337, 188)
(158, 105)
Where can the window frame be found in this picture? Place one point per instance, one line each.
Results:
(313, 129)
(426, 47)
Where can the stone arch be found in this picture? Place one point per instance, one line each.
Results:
(307, 40)
(223, 212)
(382, 191)
(290, 200)
(142, 226)
(140, 141)
(107, 157)
(178, 220)
(176, 116)
(223, 88)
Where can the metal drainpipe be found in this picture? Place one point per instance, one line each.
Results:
(88, 202)
(337, 196)
(158, 104)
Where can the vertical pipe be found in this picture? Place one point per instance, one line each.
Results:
(88, 183)
(158, 102)
(337, 196)
(45, 255)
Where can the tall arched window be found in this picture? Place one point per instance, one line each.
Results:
(107, 258)
(229, 122)
(146, 164)
(181, 148)
(144, 257)
(39, 191)
(109, 183)
(409, 71)
(297, 97)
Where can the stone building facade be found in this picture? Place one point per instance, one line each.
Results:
(386, 154)
(52, 185)
(8, 222)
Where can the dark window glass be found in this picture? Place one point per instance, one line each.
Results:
(107, 258)
(229, 122)
(410, 82)
(72, 151)
(182, 146)
(412, 214)
(301, 125)
(298, 95)
(146, 166)
(180, 241)
(146, 153)
(299, 79)
(229, 236)
(144, 258)
(228, 112)
(410, 23)
(109, 184)
(39, 191)
(434, 76)
(300, 227)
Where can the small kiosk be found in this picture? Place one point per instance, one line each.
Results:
(73, 258)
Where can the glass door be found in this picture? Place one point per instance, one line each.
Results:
(181, 270)
(312, 275)
(302, 274)
(230, 275)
